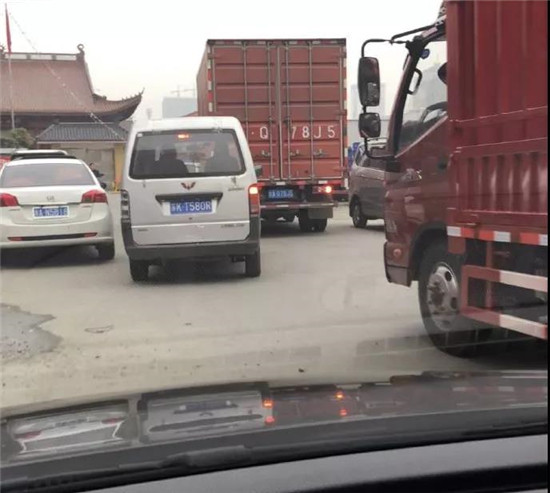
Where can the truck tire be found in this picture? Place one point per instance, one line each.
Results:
(439, 299)
(139, 270)
(319, 225)
(305, 223)
(358, 218)
(253, 264)
(106, 251)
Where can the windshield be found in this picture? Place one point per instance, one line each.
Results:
(45, 174)
(426, 102)
(221, 258)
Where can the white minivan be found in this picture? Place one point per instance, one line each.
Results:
(189, 192)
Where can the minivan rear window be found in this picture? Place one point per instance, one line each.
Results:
(183, 153)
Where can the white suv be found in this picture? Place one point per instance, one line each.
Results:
(189, 191)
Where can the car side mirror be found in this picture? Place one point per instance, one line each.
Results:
(370, 125)
(368, 81)
(259, 169)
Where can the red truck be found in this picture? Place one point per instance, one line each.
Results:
(290, 96)
(466, 204)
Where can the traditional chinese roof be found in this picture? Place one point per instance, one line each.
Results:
(83, 132)
(56, 84)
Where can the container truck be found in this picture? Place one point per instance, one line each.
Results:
(290, 96)
(466, 204)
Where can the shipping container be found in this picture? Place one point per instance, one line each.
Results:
(290, 96)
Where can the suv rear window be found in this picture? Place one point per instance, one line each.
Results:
(46, 175)
(183, 153)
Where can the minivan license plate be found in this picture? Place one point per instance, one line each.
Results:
(62, 211)
(191, 207)
(280, 194)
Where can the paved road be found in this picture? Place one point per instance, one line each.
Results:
(322, 310)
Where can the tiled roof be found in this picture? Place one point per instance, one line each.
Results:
(83, 132)
(57, 84)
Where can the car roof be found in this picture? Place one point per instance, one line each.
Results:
(31, 152)
(38, 160)
(190, 123)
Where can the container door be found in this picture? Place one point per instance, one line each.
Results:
(312, 110)
(245, 79)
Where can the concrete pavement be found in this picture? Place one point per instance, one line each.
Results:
(321, 311)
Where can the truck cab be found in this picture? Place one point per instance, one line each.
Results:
(466, 200)
(417, 184)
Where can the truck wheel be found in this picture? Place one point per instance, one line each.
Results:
(439, 298)
(106, 251)
(358, 218)
(253, 264)
(319, 225)
(139, 270)
(306, 224)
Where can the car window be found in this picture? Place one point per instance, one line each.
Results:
(46, 175)
(182, 153)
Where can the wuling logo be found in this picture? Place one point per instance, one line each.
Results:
(188, 186)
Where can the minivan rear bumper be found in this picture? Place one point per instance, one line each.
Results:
(192, 250)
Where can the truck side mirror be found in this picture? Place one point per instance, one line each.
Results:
(370, 125)
(368, 81)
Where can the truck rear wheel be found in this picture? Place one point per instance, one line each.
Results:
(439, 298)
(305, 223)
(319, 225)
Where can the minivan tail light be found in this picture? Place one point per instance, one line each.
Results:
(94, 197)
(254, 199)
(124, 205)
(8, 200)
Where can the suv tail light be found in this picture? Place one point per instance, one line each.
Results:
(8, 200)
(94, 197)
(124, 205)
(254, 199)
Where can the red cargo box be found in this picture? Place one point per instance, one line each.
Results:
(498, 105)
(290, 98)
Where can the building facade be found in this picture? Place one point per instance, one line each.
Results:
(42, 89)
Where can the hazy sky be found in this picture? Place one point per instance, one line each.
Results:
(158, 45)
